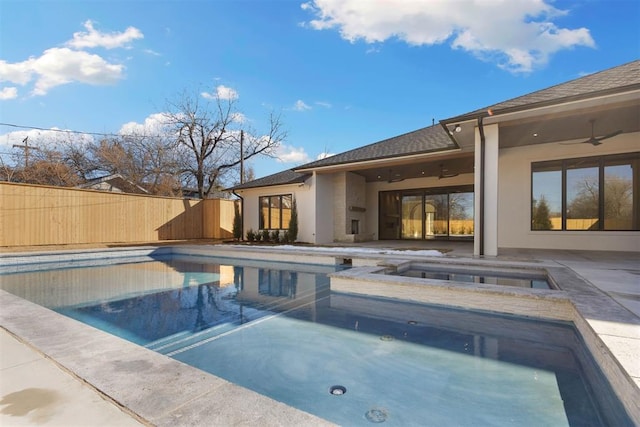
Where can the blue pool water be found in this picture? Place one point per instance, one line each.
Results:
(279, 330)
(487, 277)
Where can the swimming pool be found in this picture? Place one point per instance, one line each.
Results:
(279, 329)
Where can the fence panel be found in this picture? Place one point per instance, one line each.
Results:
(33, 215)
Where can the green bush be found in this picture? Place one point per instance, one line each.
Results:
(275, 236)
(293, 222)
(251, 235)
(237, 222)
(265, 235)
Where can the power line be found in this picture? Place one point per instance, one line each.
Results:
(79, 132)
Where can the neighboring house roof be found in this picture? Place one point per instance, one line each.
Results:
(614, 80)
(115, 182)
(289, 176)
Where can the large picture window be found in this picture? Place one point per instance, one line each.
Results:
(275, 212)
(593, 193)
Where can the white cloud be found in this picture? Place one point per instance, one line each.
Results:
(62, 65)
(225, 92)
(290, 154)
(324, 155)
(238, 117)
(518, 35)
(222, 92)
(37, 138)
(154, 124)
(323, 104)
(58, 66)
(93, 38)
(301, 106)
(8, 93)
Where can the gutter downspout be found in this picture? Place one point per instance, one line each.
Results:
(482, 171)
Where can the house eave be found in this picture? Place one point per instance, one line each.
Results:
(366, 164)
(491, 114)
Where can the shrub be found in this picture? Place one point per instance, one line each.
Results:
(285, 237)
(251, 235)
(265, 235)
(275, 236)
(293, 222)
(237, 222)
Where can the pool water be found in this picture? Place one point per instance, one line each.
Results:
(511, 279)
(279, 330)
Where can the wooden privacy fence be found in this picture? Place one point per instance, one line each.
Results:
(42, 215)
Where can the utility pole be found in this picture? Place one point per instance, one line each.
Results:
(26, 149)
(241, 157)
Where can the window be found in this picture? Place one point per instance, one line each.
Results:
(593, 193)
(275, 212)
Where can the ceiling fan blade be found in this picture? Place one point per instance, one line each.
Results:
(595, 141)
(610, 135)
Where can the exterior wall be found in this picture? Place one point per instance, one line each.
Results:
(323, 209)
(302, 193)
(339, 206)
(490, 192)
(349, 203)
(515, 199)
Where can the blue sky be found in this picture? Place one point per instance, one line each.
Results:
(343, 73)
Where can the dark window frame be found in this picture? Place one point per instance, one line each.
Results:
(601, 162)
(423, 192)
(267, 223)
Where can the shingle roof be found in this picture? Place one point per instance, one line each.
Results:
(435, 138)
(281, 178)
(425, 140)
(614, 80)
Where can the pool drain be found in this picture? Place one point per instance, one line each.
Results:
(412, 322)
(376, 415)
(386, 337)
(337, 390)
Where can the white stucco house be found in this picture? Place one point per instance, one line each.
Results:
(557, 168)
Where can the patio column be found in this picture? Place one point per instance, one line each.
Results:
(486, 192)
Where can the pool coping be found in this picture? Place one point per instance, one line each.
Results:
(167, 392)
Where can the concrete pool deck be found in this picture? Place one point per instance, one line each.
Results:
(56, 371)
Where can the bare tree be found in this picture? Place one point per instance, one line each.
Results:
(209, 135)
(46, 167)
(7, 172)
(149, 161)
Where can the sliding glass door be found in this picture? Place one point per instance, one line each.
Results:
(436, 209)
(412, 216)
(430, 213)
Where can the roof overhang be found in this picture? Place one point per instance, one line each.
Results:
(380, 163)
(406, 167)
(552, 122)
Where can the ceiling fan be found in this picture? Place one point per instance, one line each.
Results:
(394, 177)
(597, 141)
(444, 173)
